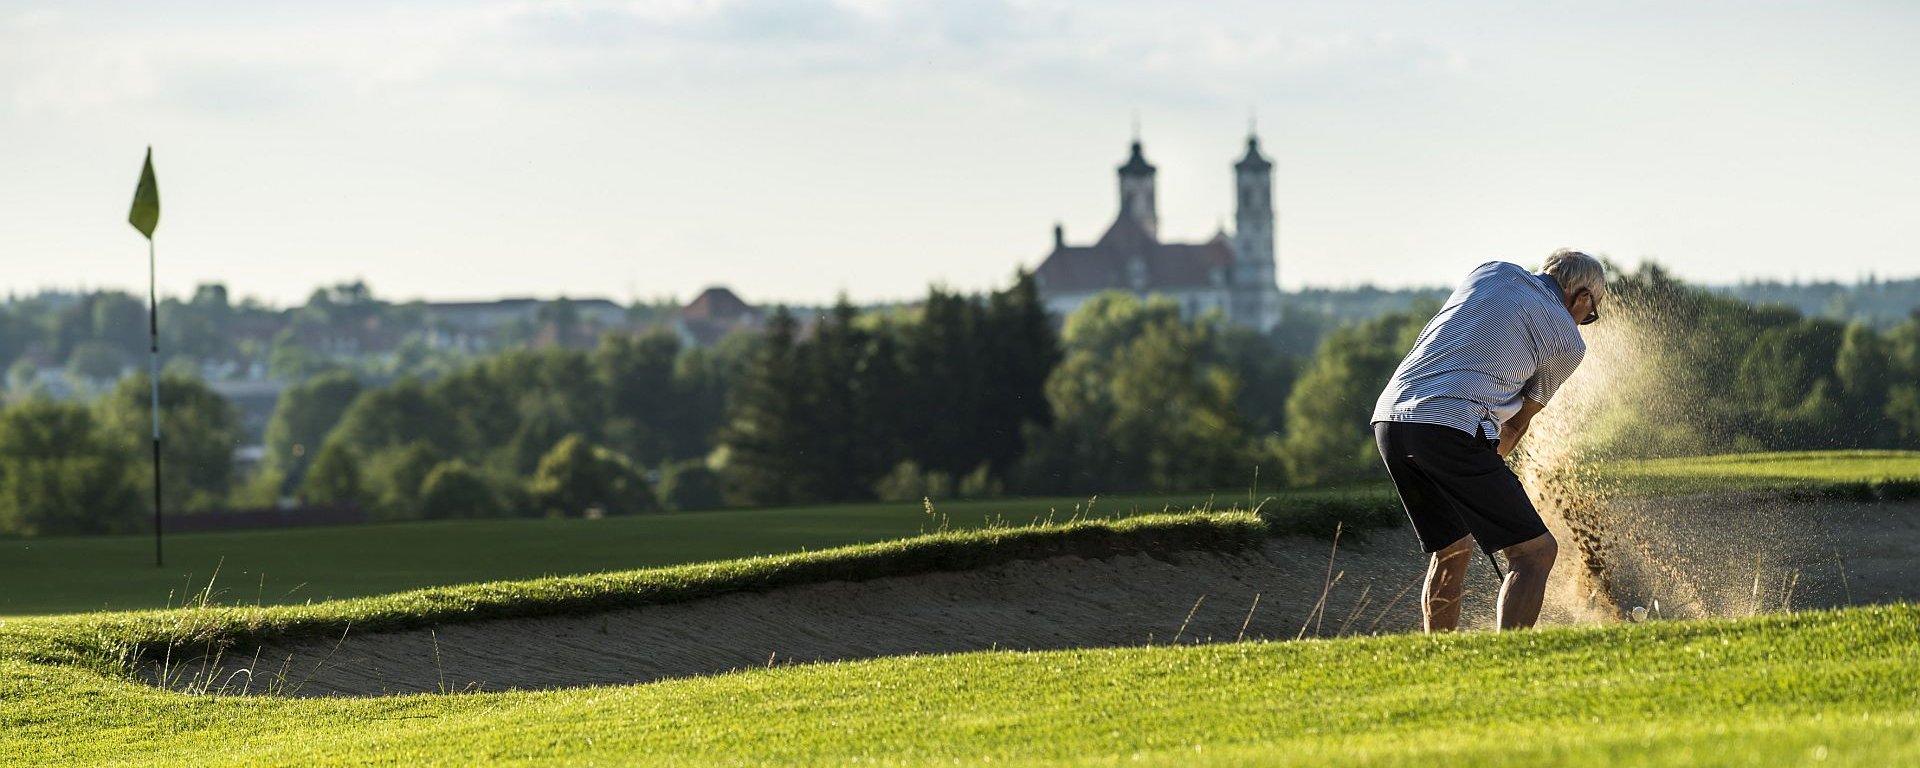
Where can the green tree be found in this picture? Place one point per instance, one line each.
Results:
(1687, 345)
(704, 379)
(577, 477)
(1174, 413)
(291, 360)
(840, 464)
(335, 477)
(689, 485)
(908, 482)
(61, 473)
(1140, 401)
(454, 490)
(1266, 375)
(638, 375)
(507, 411)
(1903, 387)
(394, 477)
(1022, 352)
(16, 334)
(1787, 380)
(401, 413)
(1328, 436)
(301, 421)
(199, 431)
(944, 355)
(765, 437)
(1863, 368)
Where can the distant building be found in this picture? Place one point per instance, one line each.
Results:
(474, 325)
(712, 315)
(254, 400)
(1234, 274)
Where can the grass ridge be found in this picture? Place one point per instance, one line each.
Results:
(1861, 475)
(147, 634)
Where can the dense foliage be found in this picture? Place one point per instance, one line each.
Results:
(951, 389)
(957, 396)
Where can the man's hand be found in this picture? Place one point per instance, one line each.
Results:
(1516, 427)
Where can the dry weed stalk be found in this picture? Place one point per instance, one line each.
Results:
(1326, 585)
(1396, 601)
(1249, 620)
(1358, 605)
(1189, 619)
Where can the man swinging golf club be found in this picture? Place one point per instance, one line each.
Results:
(1459, 403)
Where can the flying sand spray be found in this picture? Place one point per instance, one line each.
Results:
(1619, 557)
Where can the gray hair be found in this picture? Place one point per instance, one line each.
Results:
(1575, 270)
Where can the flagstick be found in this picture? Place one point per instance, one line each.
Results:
(153, 328)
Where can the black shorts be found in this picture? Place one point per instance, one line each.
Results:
(1454, 484)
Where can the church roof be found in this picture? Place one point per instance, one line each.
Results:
(1253, 161)
(1105, 264)
(1137, 164)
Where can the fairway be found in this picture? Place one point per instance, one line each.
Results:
(278, 567)
(1836, 687)
(1831, 686)
(63, 575)
(1866, 474)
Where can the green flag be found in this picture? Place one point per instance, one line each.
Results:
(145, 215)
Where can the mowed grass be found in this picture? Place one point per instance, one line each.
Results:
(1861, 474)
(300, 565)
(1812, 688)
(279, 567)
(1831, 688)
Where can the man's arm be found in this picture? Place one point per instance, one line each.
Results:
(1516, 427)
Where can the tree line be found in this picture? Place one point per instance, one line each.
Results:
(957, 396)
(1722, 376)
(93, 337)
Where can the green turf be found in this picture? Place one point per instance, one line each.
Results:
(60, 575)
(1860, 474)
(1834, 687)
(1783, 690)
(277, 567)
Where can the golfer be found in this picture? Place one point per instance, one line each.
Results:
(1460, 402)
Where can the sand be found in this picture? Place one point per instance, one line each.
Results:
(1797, 550)
(1065, 602)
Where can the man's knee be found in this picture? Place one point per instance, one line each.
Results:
(1538, 553)
(1457, 554)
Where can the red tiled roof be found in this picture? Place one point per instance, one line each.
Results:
(1104, 265)
(718, 304)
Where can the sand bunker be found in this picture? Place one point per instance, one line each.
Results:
(1740, 554)
(1065, 602)
(1694, 569)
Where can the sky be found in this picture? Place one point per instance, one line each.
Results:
(801, 149)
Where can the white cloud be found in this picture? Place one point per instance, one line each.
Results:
(223, 64)
(436, 127)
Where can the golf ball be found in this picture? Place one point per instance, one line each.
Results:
(1639, 613)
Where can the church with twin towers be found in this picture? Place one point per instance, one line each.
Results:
(1231, 273)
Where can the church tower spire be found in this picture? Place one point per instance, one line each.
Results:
(1136, 191)
(1256, 291)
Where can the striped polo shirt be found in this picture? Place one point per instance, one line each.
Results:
(1504, 334)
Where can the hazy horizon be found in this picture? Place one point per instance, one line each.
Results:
(794, 151)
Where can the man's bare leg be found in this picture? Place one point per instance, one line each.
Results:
(1446, 573)
(1528, 564)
